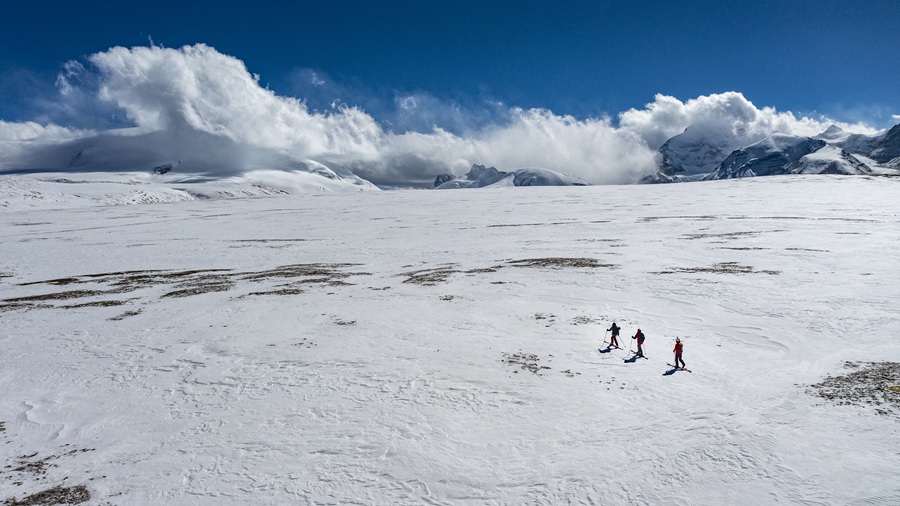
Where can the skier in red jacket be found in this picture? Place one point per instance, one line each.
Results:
(679, 347)
(640, 340)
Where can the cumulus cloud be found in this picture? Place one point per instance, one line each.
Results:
(667, 116)
(206, 110)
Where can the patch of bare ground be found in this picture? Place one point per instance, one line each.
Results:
(55, 495)
(875, 384)
(808, 249)
(547, 319)
(279, 291)
(559, 263)
(649, 219)
(185, 283)
(202, 284)
(720, 268)
(727, 235)
(531, 224)
(271, 240)
(34, 469)
(71, 294)
(525, 361)
(429, 277)
(126, 314)
(584, 320)
(99, 303)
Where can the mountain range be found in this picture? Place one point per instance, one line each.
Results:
(706, 153)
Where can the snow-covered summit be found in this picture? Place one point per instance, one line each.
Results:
(480, 176)
(700, 149)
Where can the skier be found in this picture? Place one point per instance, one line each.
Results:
(640, 340)
(679, 346)
(613, 339)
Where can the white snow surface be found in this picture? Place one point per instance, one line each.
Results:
(356, 348)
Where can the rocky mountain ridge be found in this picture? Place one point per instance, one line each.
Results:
(706, 154)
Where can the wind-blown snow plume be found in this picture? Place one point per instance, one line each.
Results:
(205, 109)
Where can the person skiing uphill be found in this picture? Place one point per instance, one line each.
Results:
(613, 338)
(679, 347)
(640, 340)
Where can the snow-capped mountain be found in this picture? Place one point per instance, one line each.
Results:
(886, 149)
(480, 176)
(703, 154)
(699, 150)
(787, 154)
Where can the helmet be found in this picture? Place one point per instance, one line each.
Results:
(677, 339)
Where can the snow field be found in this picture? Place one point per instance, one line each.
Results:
(402, 383)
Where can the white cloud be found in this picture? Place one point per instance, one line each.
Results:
(207, 110)
(667, 116)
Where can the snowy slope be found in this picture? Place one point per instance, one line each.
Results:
(416, 347)
(45, 190)
(828, 160)
(187, 155)
(480, 176)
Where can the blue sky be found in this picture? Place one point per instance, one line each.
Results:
(587, 59)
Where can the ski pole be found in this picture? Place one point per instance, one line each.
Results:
(604, 336)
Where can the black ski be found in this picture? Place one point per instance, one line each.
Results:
(679, 368)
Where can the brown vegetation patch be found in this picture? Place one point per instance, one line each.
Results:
(720, 268)
(727, 235)
(559, 263)
(584, 320)
(186, 283)
(531, 224)
(525, 361)
(279, 291)
(482, 271)
(429, 277)
(327, 272)
(649, 219)
(203, 286)
(867, 384)
(124, 315)
(56, 495)
(99, 303)
(72, 294)
(271, 240)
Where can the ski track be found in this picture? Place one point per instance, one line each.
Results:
(386, 392)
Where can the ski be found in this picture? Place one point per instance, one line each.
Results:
(679, 368)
